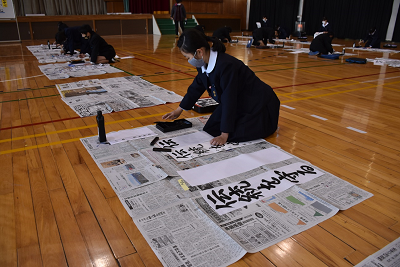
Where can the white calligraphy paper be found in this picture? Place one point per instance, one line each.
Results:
(233, 166)
(232, 196)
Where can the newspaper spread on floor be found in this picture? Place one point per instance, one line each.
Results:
(66, 70)
(86, 97)
(181, 220)
(367, 49)
(389, 256)
(53, 55)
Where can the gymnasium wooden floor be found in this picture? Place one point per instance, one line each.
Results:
(57, 208)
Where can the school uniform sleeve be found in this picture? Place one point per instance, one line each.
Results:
(85, 47)
(376, 41)
(229, 99)
(327, 43)
(194, 92)
(69, 43)
(173, 11)
(95, 47)
(183, 12)
(227, 35)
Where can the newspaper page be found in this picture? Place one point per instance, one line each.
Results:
(336, 191)
(269, 221)
(181, 235)
(124, 166)
(150, 197)
(111, 95)
(389, 256)
(66, 70)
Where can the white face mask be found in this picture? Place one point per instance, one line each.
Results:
(198, 63)
(265, 20)
(323, 23)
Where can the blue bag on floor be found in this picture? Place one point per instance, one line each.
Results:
(356, 60)
(331, 56)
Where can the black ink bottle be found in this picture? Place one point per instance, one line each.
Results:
(48, 43)
(100, 127)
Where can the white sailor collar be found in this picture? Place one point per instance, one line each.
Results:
(211, 62)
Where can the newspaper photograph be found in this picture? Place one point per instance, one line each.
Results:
(180, 234)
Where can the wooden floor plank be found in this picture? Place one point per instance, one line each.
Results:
(29, 256)
(318, 249)
(141, 245)
(51, 248)
(8, 246)
(131, 260)
(73, 243)
(95, 240)
(24, 214)
(117, 238)
(348, 237)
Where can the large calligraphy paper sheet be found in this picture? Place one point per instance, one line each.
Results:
(233, 166)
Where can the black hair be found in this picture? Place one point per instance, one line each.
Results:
(178, 1)
(85, 29)
(60, 37)
(324, 18)
(61, 26)
(200, 28)
(192, 39)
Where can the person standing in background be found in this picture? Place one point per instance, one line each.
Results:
(178, 15)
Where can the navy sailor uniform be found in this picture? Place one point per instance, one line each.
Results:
(248, 108)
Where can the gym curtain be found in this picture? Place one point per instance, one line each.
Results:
(148, 6)
(60, 7)
(349, 18)
(278, 12)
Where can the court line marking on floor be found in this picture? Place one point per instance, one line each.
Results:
(79, 128)
(27, 89)
(285, 101)
(356, 130)
(39, 146)
(76, 139)
(28, 98)
(38, 123)
(21, 78)
(301, 84)
(381, 79)
(316, 89)
(289, 107)
(319, 117)
(334, 93)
